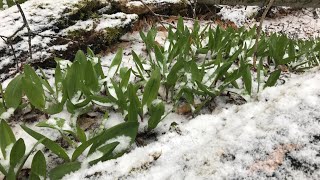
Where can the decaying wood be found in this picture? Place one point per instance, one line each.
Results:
(290, 3)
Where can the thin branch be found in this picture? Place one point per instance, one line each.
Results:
(28, 28)
(9, 43)
(156, 15)
(259, 32)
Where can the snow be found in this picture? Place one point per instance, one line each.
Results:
(251, 141)
(232, 142)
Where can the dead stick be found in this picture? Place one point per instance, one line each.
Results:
(9, 43)
(156, 15)
(259, 33)
(28, 28)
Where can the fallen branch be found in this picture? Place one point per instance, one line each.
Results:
(259, 33)
(156, 15)
(28, 28)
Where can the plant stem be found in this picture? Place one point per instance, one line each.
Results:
(259, 33)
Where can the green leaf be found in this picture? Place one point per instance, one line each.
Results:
(195, 72)
(10, 3)
(84, 146)
(90, 52)
(91, 79)
(81, 135)
(274, 76)
(13, 93)
(54, 108)
(116, 62)
(125, 76)
(45, 82)
(120, 96)
(38, 167)
(17, 152)
(107, 152)
(58, 78)
(100, 100)
(129, 129)
(156, 111)
(247, 79)
(58, 172)
(99, 71)
(80, 57)
(3, 170)
(54, 147)
(133, 109)
(174, 73)
(6, 137)
(34, 92)
(138, 64)
(73, 79)
(152, 87)
(205, 89)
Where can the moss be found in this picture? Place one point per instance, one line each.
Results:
(83, 10)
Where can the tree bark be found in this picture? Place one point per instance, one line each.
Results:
(289, 3)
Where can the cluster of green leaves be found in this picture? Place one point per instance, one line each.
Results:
(204, 62)
(80, 86)
(192, 64)
(18, 155)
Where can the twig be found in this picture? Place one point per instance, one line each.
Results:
(156, 15)
(28, 28)
(259, 32)
(9, 43)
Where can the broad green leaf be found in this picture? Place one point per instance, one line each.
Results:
(152, 87)
(274, 76)
(58, 172)
(247, 79)
(34, 92)
(58, 78)
(84, 145)
(10, 3)
(54, 147)
(223, 70)
(125, 76)
(45, 82)
(158, 54)
(134, 105)
(6, 137)
(81, 135)
(195, 72)
(180, 25)
(90, 52)
(80, 57)
(99, 71)
(13, 93)
(156, 111)
(72, 81)
(32, 75)
(174, 73)
(120, 96)
(91, 78)
(106, 151)
(17, 152)
(54, 108)
(101, 100)
(38, 167)
(3, 170)
(205, 89)
(137, 60)
(129, 129)
(114, 67)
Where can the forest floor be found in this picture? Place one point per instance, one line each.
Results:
(274, 135)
